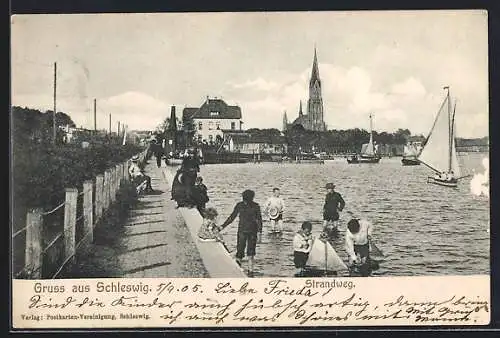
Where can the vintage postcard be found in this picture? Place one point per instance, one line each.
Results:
(259, 169)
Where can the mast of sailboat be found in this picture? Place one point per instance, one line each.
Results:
(450, 135)
(452, 132)
(371, 129)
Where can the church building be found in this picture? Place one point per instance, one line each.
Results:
(313, 120)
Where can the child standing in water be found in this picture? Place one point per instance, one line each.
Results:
(302, 244)
(249, 227)
(274, 208)
(334, 203)
(357, 244)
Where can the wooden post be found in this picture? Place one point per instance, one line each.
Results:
(33, 254)
(113, 185)
(99, 182)
(120, 174)
(88, 222)
(117, 179)
(70, 223)
(125, 171)
(106, 193)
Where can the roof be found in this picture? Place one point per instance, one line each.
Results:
(188, 113)
(301, 120)
(315, 71)
(210, 106)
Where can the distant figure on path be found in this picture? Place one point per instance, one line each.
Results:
(249, 228)
(158, 152)
(334, 203)
(137, 175)
(302, 244)
(275, 206)
(200, 194)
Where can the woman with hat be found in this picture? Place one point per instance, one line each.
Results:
(334, 203)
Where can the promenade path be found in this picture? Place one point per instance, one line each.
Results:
(153, 241)
(156, 240)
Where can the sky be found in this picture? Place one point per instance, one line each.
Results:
(393, 64)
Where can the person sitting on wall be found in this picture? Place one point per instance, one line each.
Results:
(190, 167)
(137, 175)
(200, 194)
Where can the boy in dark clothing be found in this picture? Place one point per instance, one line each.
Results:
(200, 194)
(249, 227)
(334, 203)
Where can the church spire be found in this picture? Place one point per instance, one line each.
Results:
(285, 122)
(300, 109)
(315, 70)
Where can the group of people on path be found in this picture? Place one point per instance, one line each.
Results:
(188, 189)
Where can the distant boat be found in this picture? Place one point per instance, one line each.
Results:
(410, 155)
(323, 260)
(439, 152)
(368, 153)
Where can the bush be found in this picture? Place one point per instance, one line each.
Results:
(40, 173)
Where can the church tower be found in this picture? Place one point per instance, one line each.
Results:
(285, 122)
(315, 102)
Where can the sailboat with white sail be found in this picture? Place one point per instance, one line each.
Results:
(369, 153)
(439, 152)
(323, 260)
(410, 154)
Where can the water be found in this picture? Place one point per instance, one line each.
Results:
(423, 229)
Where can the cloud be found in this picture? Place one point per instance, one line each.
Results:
(257, 84)
(348, 99)
(137, 110)
(410, 87)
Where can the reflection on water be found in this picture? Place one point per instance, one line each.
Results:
(423, 229)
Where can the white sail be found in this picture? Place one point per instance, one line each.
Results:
(368, 149)
(436, 151)
(410, 150)
(319, 260)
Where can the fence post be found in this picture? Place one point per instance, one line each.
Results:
(99, 181)
(33, 252)
(120, 175)
(117, 178)
(114, 172)
(70, 224)
(88, 222)
(106, 189)
(125, 171)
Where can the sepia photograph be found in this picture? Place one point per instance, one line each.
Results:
(249, 145)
